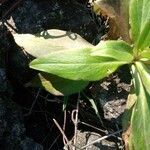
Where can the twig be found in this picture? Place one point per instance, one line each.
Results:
(45, 138)
(64, 125)
(62, 132)
(100, 139)
(121, 140)
(46, 117)
(51, 100)
(34, 102)
(54, 142)
(104, 131)
(75, 114)
(11, 9)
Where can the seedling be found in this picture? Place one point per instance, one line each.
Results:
(96, 62)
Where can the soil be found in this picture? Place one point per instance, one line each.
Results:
(21, 128)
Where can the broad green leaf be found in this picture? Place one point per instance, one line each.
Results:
(56, 85)
(140, 129)
(144, 74)
(139, 15)
(49, 41)
(118, 50)
(76, 65)
(144, 38)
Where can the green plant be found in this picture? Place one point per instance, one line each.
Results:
(95, 63)
(45, 43)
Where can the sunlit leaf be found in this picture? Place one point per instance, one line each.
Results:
(144, 72)
(144, 38)
(118, 50)
(52, 41)
(139, 16)
(49, 41)
(140, 131)
(76, 65)
(56, 85)
(146, 53)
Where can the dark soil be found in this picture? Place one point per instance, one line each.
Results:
(35, 130)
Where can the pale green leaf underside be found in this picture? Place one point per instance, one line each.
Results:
(54, 40)
(139, 14)
(144, 74)
(118, 50)
(56, 85)
(140, 131)
(76, 65)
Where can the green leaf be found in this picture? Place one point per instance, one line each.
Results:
(139, 15)
(140, 129)
(76, 65)
(118, 50)
(94, 105)
(144, 38)
(146, 54)
(49, 41)
(65, 102)
(144, 72)
(56, 85)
